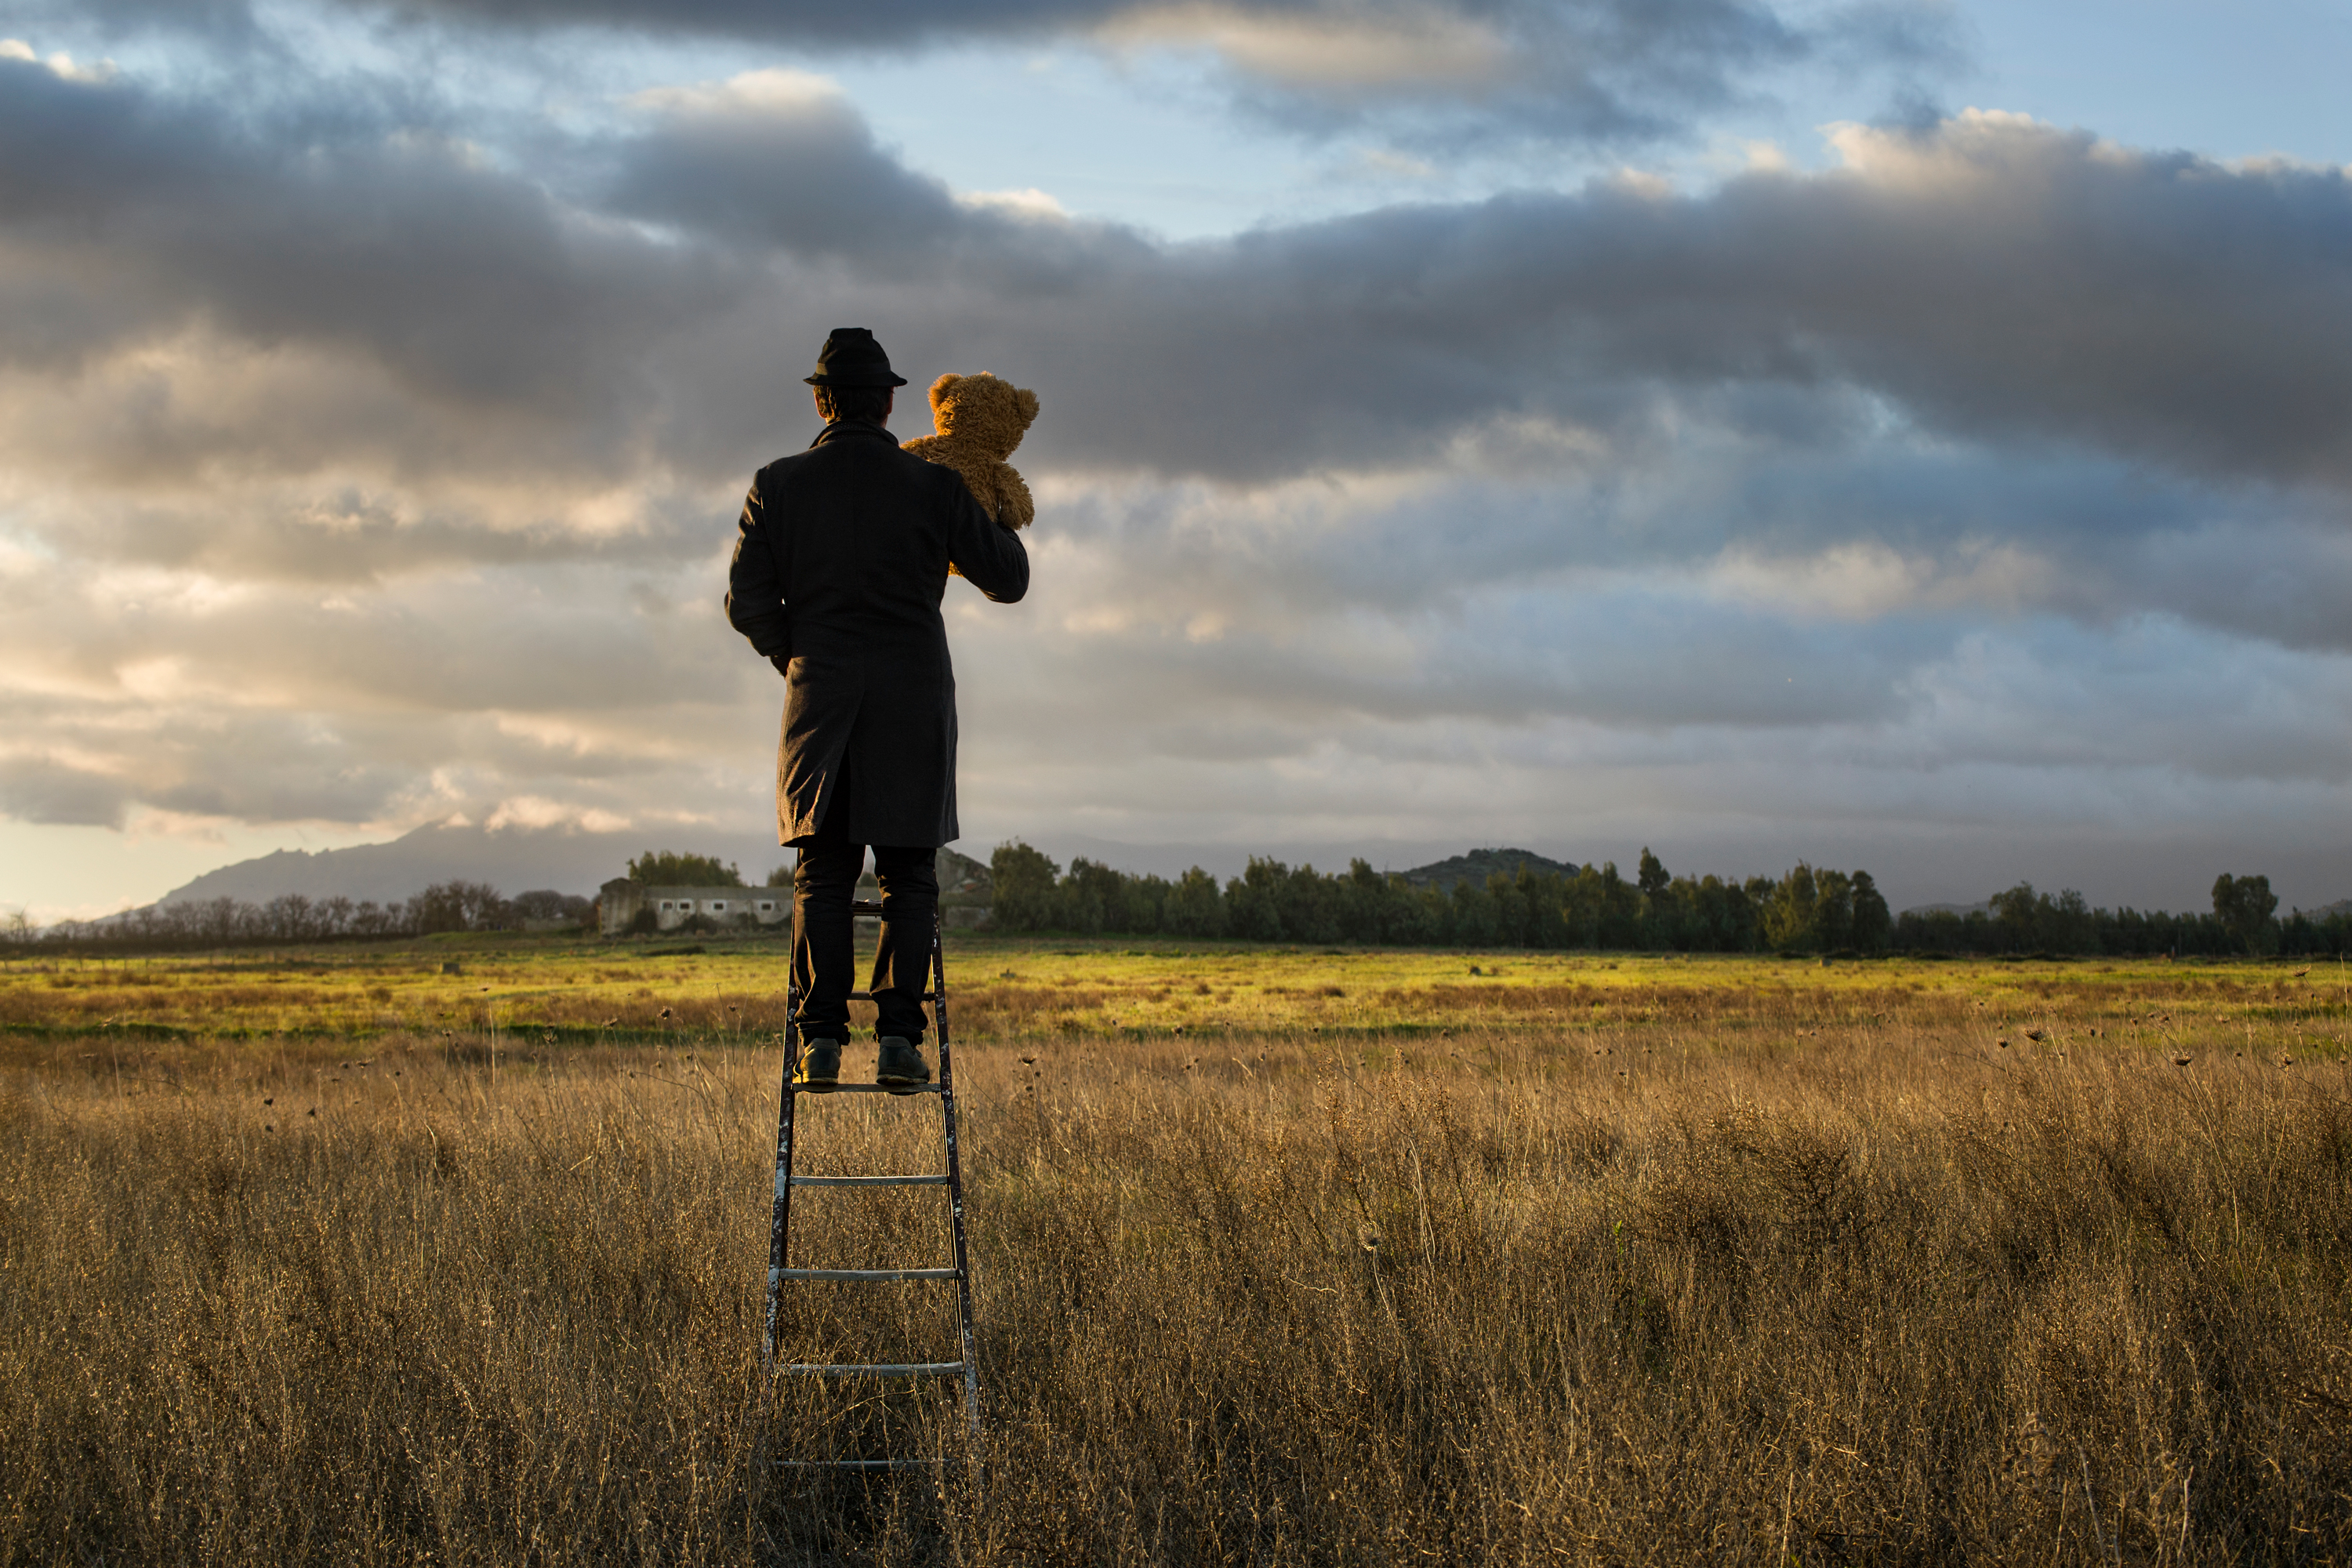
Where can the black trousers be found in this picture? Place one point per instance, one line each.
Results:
(823, 960)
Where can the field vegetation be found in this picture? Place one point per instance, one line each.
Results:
(1282, 1256)
(571, 991)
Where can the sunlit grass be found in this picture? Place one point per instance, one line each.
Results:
(564, 993)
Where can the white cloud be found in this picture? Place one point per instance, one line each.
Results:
(1382, 163)
(533, 810)
(775, 92)
(1868, 581)
(1352, 53)
(1027, 203)
(59, 64)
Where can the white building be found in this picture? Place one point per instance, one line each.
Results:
(619, 900)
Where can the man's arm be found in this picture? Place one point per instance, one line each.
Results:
(991, 558)
(756, 585)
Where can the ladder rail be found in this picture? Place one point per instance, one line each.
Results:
(779, 1211)
(955, 1174)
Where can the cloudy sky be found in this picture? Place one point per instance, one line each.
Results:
(1899, 433)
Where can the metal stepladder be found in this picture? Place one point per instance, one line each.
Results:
(780, 1274)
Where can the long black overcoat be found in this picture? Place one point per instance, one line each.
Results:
(841, 560)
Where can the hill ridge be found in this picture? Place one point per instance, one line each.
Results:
(512, 859)
(1477, 864)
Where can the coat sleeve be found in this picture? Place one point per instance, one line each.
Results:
(756, 585)
(988, 557)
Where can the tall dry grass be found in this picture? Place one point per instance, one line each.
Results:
(1873, 1294)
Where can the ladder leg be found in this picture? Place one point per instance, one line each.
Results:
(955, 1175)
(779, 1214)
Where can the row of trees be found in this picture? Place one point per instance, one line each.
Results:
(1808, 908)
(669, 868)
(227, 922)
(2244, 920)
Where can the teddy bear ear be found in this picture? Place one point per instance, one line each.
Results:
(1026, 402)
(943, 386)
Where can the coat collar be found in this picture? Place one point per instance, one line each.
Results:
(847, 430)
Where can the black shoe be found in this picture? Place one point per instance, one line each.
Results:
(900, 1067)
(819, 1066)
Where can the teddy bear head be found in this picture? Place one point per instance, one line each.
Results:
(991, 415)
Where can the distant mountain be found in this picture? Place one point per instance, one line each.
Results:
(2327, 912)
(1480, 864)
(511, 860)
(568, 860)
(1220, 860)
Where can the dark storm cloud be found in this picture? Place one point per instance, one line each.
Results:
(781, 159)
(34, 788)
(1987, 279)
(888, 24)
(1526, 662)
(230, 22)
(1430, 72)
(136, 214)
(1998, 282)
(1585, 69)
(1617, 72)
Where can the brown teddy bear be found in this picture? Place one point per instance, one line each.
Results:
(981, 420)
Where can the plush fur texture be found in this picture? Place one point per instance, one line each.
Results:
(979, 420)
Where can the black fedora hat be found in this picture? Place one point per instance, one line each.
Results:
(852, 358)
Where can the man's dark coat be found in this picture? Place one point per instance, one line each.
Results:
(840, 563)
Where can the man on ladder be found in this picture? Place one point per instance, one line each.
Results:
(841, 560)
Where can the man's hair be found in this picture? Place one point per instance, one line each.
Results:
(854, 402)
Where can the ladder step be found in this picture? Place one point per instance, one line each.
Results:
(865, 1273)
(869, 1181)
(879, 1369)
(870, 907)
(868, 1088)
(868, 997)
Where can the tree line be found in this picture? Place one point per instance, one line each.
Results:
(457, 906)
(1805, 910)
(2244, 920)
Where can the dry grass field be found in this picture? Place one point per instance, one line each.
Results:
(1280, 1257)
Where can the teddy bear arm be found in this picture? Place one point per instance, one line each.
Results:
(1015, 508)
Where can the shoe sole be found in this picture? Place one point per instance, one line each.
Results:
(902, 1085)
